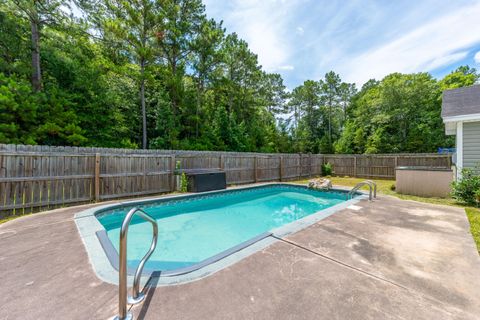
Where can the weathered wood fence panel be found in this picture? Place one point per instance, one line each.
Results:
(381, 165)
(342, 165)
(239, 169)
(46, 180)
(291, 165)
(37, 177)
(132, 175)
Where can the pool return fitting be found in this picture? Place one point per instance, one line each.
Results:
(137, 296)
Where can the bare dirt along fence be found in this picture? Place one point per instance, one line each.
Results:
(33, 178)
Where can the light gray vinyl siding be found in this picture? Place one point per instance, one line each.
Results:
(471, 144)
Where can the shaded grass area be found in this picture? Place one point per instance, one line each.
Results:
(473, 215)
(8, 218)
(387, 187)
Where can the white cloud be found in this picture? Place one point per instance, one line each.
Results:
(477, 57)
(287, 67)
(430, 46)
(360, 39)
(263, 24)
(445, 60)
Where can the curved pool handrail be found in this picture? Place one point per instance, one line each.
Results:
(137, 296)
(357, 187)
(374, 184)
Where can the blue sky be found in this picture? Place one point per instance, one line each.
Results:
(360, 40)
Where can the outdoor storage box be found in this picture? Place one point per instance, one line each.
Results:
(205, 180)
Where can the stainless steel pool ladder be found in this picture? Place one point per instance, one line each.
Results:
(372, 186)
(137, 296)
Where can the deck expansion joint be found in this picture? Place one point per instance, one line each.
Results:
(340, 262)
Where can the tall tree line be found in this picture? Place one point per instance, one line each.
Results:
(400, 113)
(161, 74)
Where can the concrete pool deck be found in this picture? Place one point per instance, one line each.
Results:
(388, 259)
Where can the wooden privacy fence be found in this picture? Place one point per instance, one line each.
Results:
(37, 177)
(383, 165)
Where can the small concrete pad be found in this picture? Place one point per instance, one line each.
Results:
(286, 282)
(423, 247)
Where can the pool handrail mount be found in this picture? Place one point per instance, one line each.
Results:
(137, 296)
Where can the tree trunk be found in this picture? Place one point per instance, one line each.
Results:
(330, 124)
(142, 101)
(36, 71)
(173, 89)
(200, 89)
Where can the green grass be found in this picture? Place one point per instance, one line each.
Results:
(12, 217)
(474, 219)
(385, 187)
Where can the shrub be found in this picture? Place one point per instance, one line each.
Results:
(467, 189)
(183, 183)
(327, 169)
(393, 187)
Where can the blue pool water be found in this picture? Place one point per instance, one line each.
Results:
(194, 229)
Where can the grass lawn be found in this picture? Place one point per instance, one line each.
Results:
(385, 187)
(5, 219)
(474, 218)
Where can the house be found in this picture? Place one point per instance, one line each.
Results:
(461, 115)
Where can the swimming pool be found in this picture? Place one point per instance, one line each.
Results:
(198, 230)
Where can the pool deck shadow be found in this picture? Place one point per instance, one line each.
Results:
(390, 259)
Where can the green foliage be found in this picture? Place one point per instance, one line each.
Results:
(48, 114)
(474, 219)
(462, 77)
(327, 169)
(319, 111)
(183, 182)
(18, 106)
(467, 189)
(400, 113)
(163, 70)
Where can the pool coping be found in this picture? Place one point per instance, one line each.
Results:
(103, 257)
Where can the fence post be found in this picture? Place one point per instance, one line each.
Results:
(97, 177)
(310, 165)
(144, 171)
(299, 166)
(395, 168)
(222, 162)
(255, 168)
(355, 166)
(172, 173)
(280, 168)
